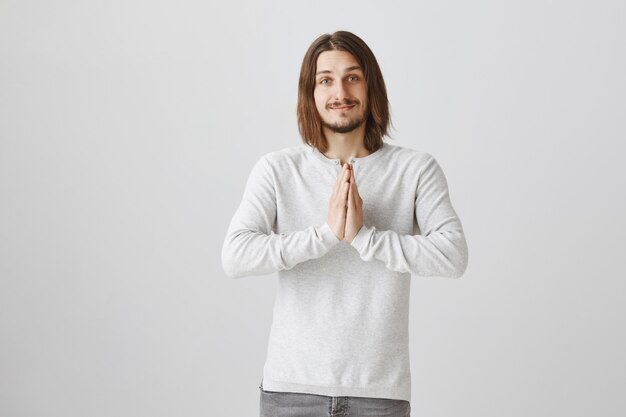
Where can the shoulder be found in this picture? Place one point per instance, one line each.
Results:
(404, 155)
(291, 156)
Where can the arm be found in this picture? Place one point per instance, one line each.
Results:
(441, 249)
(252, 248)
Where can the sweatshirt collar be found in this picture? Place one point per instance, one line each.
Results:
(356, 161)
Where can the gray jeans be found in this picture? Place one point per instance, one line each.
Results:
(295, 404)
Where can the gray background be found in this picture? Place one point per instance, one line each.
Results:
(128, 130)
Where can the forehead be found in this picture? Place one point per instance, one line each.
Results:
(335, 62)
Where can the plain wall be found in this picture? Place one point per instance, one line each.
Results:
(128, 130)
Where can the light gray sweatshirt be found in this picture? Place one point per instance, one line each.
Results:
(341, 313)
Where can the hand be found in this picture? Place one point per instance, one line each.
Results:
(354, 215)
(338, 201)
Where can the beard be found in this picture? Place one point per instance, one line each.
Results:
(345, 126)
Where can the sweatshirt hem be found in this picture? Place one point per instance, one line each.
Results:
(362, 238)
(394, 393)
(327, 235)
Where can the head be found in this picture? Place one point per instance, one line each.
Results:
(341, 88)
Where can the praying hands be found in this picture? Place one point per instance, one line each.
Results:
(345, 207)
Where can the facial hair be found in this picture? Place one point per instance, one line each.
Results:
(337, 128)
(344, 128)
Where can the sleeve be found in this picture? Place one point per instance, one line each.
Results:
(252, 248)
(440, 249)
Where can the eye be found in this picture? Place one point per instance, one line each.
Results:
(324, 81)
(353, 78)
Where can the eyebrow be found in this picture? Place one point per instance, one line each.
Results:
(352, 68)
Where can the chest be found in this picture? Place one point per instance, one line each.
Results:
(302, 197)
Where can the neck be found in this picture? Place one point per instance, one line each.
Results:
(344, 146)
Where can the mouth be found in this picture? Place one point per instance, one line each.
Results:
(342, 108)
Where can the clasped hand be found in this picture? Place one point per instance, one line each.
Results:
(345, 208)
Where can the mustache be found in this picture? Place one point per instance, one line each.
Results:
(342, 104)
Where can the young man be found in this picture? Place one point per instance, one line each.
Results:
(345, 219)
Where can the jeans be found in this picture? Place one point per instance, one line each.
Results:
(295, 404)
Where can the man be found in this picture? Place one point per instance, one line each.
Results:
(345, 219)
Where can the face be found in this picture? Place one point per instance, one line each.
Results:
(340, 91)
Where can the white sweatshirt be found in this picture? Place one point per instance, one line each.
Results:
(341, 314)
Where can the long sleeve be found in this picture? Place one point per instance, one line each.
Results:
(440, 250)
(252, 248)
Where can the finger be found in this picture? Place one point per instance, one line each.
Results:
(357, 196)
(352, 195)
(346, 191)
(340, 177)
(337, 187)
(348, 205)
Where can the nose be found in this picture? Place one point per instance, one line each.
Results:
(341, 92)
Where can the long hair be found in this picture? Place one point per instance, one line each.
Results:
(309, 121)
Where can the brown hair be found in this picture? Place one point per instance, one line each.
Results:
(378, 118)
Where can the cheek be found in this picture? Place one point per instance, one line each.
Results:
(320, 102)
(363, 94)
